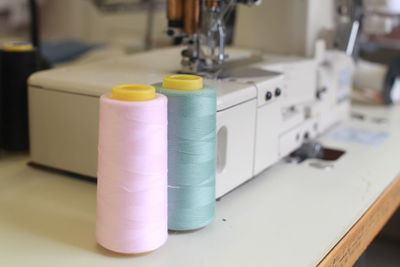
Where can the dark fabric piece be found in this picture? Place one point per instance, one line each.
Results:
(392, 74)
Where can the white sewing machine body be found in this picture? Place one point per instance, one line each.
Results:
(260, 119)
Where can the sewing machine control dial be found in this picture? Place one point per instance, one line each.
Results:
(278, 92)
(268, 96)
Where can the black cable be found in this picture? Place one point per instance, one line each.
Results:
(34, 27)
(392, 74)
(35, 35)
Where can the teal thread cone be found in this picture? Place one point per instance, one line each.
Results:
(191, 157)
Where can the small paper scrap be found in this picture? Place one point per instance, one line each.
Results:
(356, 135)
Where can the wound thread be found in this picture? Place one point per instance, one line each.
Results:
(132, 171)
(18, 61)
(191, 155)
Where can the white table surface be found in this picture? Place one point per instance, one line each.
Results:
(290, 215)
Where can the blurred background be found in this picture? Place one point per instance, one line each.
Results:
(81, 31)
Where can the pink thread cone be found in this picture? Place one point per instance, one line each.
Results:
(132, 175)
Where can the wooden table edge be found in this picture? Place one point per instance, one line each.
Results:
(347, 251)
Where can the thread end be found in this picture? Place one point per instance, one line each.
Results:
(17, 47)
(133, 92)
(183, 82)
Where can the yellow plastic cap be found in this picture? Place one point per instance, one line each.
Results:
(183, 82)
(133, 92)
(17, 47)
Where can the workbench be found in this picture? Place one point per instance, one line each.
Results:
(290, 215)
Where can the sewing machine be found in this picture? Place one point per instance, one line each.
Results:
(268, 105)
